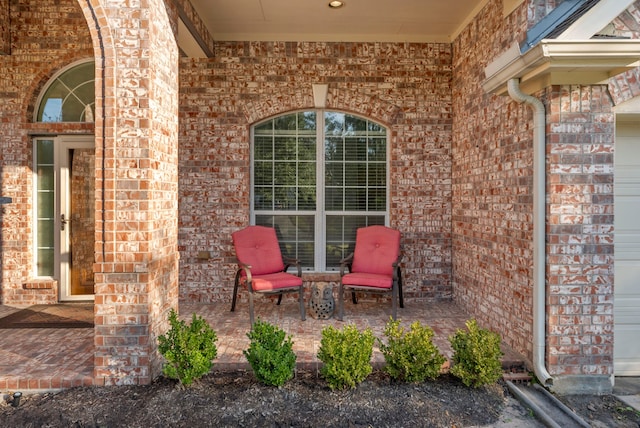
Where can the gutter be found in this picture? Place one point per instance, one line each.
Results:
(539, 211)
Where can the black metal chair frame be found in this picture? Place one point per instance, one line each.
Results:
(280, 292)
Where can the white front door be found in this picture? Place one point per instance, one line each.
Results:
(64, 211)
(627, 248)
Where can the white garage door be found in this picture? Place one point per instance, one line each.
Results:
(627, 248)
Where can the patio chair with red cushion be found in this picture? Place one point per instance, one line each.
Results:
(262, 268)
(373, 267)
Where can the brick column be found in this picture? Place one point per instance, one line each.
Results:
(136, 186)
(580, 256)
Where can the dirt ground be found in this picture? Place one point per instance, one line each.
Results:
(237, 399)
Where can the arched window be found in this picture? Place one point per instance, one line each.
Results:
(316, 177)
(69, 96)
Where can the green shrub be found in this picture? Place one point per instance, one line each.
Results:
(189, 350)
(477, 355)
(410, 356)
(346, 355)
(270, 354)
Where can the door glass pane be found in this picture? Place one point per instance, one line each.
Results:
(82, 225)
(45, 262)
(45, 208)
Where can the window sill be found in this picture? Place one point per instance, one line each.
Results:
(40, 284)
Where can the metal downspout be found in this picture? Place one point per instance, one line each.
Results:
(539, 256)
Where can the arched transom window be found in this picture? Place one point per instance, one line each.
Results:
(69, 96)
(317, 176)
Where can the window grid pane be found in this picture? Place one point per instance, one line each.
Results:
(355, 156)
(341, 236)
(284, 152)
(70, 97)
(296, 236)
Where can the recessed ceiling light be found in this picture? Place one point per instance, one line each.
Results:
(335, 4)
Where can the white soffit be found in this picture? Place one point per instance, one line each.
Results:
(509, 6)
(628, 110)
(357, 21)
(187, 43)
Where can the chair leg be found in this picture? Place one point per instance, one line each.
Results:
(354, 299)
(279, 299)
(301, 301)
(340, 301)
(251, 308)
(235, 291)
(400, 287)
(394, 301)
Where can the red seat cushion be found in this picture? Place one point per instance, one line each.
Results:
(368, 280)
(377, 248)
(275, 281)
(257, 246)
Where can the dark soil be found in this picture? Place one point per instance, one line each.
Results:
(237, 399)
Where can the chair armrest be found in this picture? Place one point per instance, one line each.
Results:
(346, 264)
(247, 270)
(288, 261)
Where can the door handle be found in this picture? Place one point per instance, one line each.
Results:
(63, 221)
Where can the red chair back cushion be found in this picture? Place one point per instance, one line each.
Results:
(377, 248)
(258, 247)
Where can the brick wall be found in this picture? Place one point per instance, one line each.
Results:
(407, 87)
(492, 185)
(625, 86)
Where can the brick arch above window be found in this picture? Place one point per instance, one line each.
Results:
(342, 99)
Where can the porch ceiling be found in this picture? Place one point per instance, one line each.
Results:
(357, 20)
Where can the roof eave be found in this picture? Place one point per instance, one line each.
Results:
(557, 62)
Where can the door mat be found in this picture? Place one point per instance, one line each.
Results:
(50, 316)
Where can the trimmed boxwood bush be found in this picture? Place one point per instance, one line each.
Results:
(477, 355)
(410, 356)
(270, 354)
(346, 355)
(188, 349)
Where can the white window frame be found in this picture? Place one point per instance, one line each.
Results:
(320, 213)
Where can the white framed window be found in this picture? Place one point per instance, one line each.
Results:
(69, 96)
(316, 177)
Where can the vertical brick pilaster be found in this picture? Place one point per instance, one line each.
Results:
(580, 257)
(136, 279)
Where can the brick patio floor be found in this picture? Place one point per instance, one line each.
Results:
(48, 359)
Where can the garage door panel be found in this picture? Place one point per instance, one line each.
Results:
(627, 250)
(627, 363)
